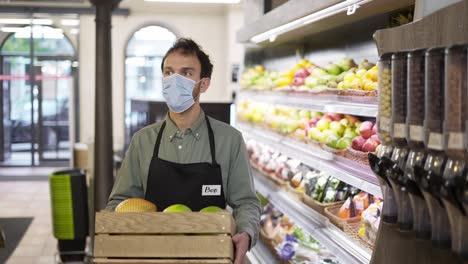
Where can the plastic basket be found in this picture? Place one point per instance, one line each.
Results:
(357, 156)
(318, 206)
(332, 213)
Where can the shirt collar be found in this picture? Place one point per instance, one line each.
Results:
(173, 131)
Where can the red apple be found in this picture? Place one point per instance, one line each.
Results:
(375, 138)
(336, 117)
(313, 121)
(302, 73)
(358, 142)
(329, 116)
(370, 145)
(374, 129)
(298, 81)
(366, 129)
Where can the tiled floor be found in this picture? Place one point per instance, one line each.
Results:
(30, 199)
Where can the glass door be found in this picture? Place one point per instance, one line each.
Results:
(54, 79)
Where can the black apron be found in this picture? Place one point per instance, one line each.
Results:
(196, 185)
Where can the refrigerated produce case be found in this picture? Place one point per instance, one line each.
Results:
(300, 66)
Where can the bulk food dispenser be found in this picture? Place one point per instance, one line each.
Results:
(435, 139)
(455, 147)
(380, 163)
(415, 139)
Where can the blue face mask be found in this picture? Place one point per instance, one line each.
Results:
(178, 92)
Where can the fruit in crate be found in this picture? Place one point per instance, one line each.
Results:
(363, 78)
(135, 205)
(368, 141)
(211, 209)
(177, 208)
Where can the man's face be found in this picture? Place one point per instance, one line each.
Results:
(188, 66)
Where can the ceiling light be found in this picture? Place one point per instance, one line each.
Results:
(70, 22)
(198, 1)
(74, 31)
(25, 21)
(11, 29)
(321, 14)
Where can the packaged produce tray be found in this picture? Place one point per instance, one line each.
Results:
(357, 156)
(271, 245)
(276, 180)
(164, 238)
(318, 206)
(351, 228)
(332, 213)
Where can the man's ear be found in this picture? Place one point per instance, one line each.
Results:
(204, 84)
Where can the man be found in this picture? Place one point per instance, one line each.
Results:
(190, 158)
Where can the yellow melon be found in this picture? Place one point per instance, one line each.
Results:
(136, 205)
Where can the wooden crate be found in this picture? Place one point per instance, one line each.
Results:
(195, 238)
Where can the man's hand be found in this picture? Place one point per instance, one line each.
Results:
(241, 244)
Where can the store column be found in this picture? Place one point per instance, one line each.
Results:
(103, 143)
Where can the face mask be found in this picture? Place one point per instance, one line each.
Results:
(177, 91)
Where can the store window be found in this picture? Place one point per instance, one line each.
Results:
(144, 54)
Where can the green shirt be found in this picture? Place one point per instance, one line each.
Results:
(191, 147)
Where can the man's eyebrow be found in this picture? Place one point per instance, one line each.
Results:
(167, 68)
(188, 68)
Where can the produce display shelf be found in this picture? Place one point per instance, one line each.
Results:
(355, 174)
(333, 104)
(298, 18)
(260, 254)
(317, 225)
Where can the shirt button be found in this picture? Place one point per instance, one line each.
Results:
(197, 134)
(180, 147)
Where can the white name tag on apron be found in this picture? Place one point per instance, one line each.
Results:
(211, 190)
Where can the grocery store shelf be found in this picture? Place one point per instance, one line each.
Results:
(333, 104)
(299, 18)
(317, 225)
(260, 254)
(355, 174)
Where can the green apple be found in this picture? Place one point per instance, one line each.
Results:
(323, 124)
(316, 114)
(337, 127)
(345, 122)
(314, 133)
(211, 209)
(332, 141)
(344, 143)
(177, 208)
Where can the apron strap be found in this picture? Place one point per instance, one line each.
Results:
(212, 142)
(158, 141)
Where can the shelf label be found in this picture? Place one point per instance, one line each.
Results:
(416, 133)
(435, 141)
(385, 124)
(399, 130)
(456, 141)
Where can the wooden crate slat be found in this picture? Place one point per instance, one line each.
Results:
(137, 246)
(164, 223)
(162, 261)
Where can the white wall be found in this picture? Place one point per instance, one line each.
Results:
(213, 31)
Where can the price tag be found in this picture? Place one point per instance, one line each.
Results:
(435, 141)
(399, 130)
(416, 133)
(385, 124)
(456, 141)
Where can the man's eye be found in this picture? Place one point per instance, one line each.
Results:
(188, 74)
(168, 73)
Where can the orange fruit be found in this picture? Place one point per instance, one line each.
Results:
(136, 205)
